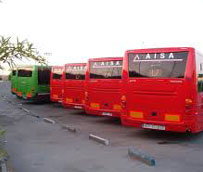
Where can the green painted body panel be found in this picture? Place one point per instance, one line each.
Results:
(30, 86)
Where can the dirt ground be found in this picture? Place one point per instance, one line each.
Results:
(34, 145)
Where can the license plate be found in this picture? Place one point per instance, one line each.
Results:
(78, 107)
(107, 114)
(152, 126)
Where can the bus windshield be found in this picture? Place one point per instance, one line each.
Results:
(106, 69)
(75, 72)
(25, 72)
(157, 65)
(57, 73)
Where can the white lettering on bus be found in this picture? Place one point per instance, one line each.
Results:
(136, 58)
(107, 64)
(162, 55)
(148, 56)
(117, 63)
(171, 56)
(76, 68)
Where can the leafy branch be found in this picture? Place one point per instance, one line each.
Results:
(11, 51)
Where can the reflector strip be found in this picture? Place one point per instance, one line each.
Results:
(55, 96)
(94, 105)
(69, 100)
(136, 114)
(170, 117)
(117, 107)
(19, 94)
(29, 95)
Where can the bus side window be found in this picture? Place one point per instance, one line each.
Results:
(200, 83)
(14, 73)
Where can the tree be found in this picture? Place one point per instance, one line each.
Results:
(11, 51)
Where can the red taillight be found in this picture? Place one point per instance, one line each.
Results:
(29, 95)
(86, 96)
(123, 101)
(188, 103)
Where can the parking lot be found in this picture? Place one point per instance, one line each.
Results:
(34, 145)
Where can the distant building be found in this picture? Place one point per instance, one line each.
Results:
(4, 74)
(4, 77)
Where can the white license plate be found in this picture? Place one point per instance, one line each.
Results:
(78, 107)
(107, 114)
(152, 126)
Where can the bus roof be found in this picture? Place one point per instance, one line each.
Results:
(105, 58)
(167, 49)
(55, 67)
(75, 64)
(30, 66)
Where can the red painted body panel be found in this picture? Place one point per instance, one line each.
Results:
(73, 90)
(56, 85)
(104, 93)
(163, 96)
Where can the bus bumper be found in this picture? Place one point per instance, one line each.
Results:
(74, 106)
(102, 112)
(180, 127)
(13, 91)
(57, 100)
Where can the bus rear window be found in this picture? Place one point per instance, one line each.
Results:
(25, 72)
(43, 76)
(106, 69)
(14, 72)
(57, 73)
(75, 72)
(157, 65)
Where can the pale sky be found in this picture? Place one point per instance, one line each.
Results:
(75, 30)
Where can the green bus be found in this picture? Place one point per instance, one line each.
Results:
(33, 82)
(14, 74)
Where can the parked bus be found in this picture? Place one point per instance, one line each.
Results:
(14, 81)
(163, 89)
(73, 85)
(56, 84)
(34, 82)
(103, 86)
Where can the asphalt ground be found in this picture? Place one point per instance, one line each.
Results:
(37, 146)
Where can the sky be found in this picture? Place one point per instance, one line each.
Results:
(76, 30)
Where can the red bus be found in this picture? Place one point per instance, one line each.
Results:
(56, 83)
(73, 85)
(163, 89)
(103, 86)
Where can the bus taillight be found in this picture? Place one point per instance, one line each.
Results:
(188, 103)
(86, 96)
(123, 101)
(29, 95)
